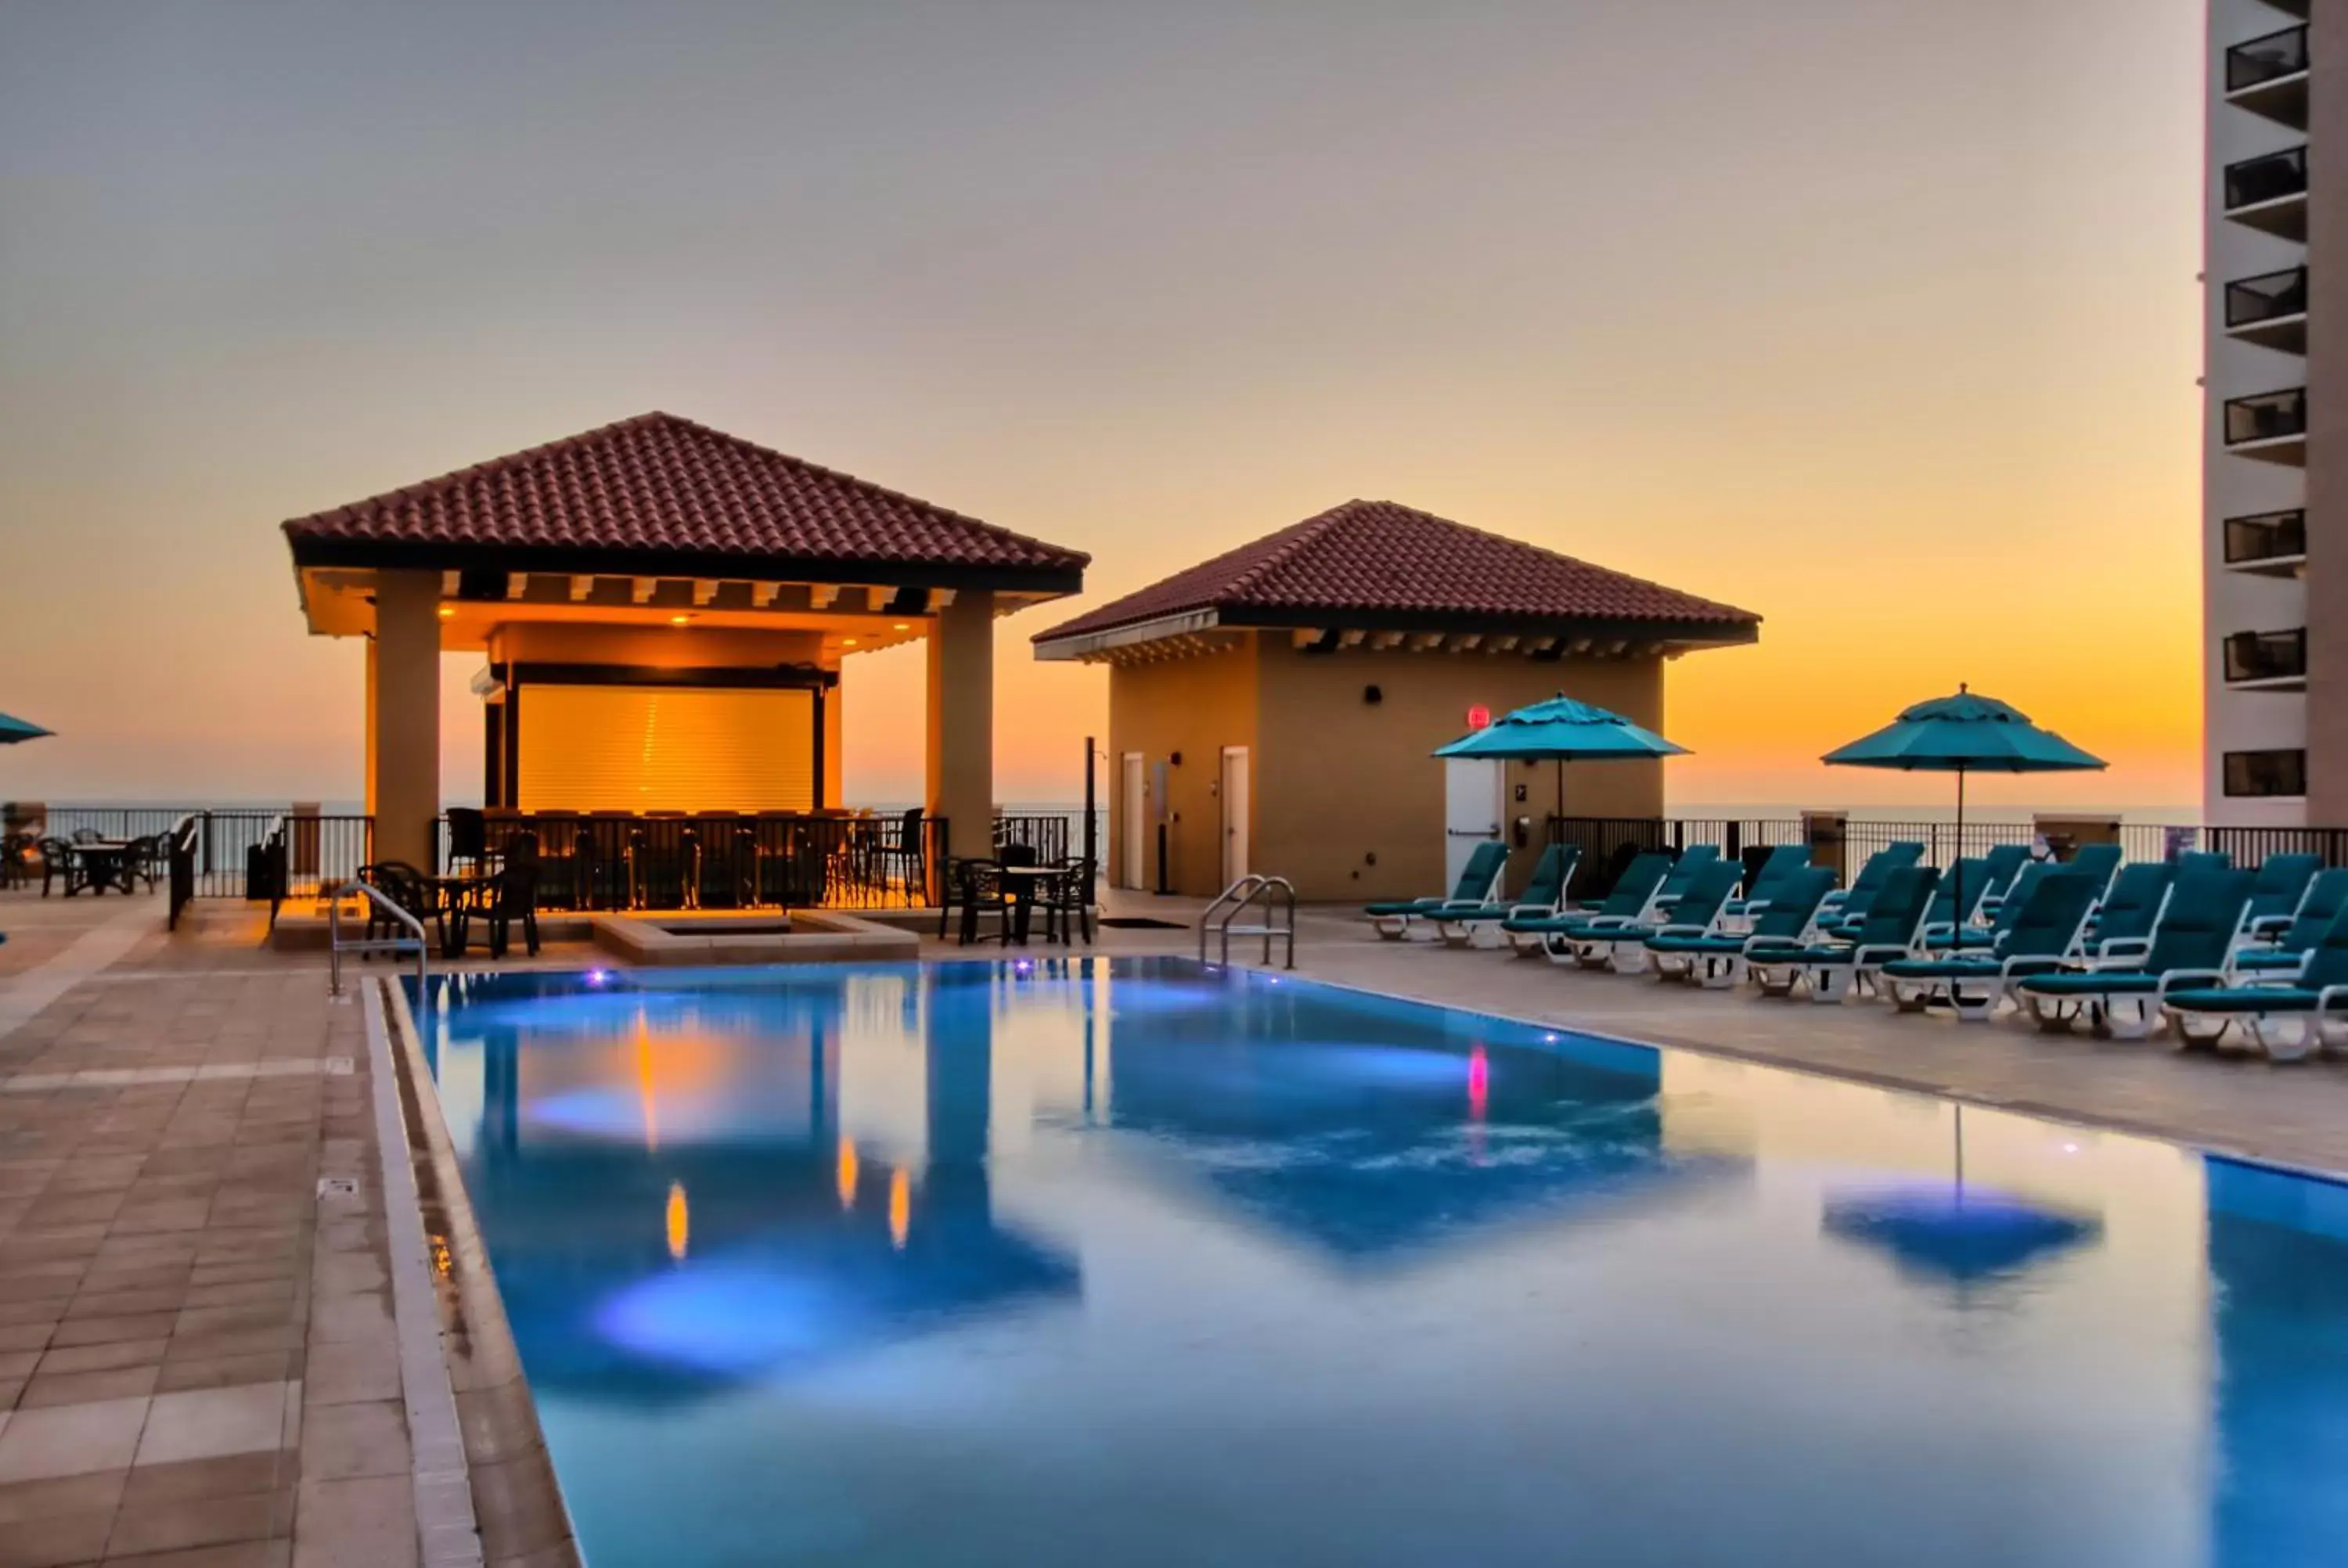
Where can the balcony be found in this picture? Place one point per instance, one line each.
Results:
(2267, 661)
(2268, 773)
(2269, 310)
(2268, 426)
(2267, 544)
(2269, 193)
(2268, 77)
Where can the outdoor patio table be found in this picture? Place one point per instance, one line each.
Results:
(1025, 883)
(102, 862)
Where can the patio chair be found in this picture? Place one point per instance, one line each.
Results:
(1852, 903)
(983, 891)
(468, 839)
(1689, 861)
(2289, 1021)
(1633, 901)
(2277, 890)
(2122, 928)
(2204, 860)
(2187, 951)
(2009, 909)
(2100, 861)
(2004, 863)
(903, 857)
(2048, 919)
(1945, 919)
(510, 893)
(1697, 912)
(1067, 904)
(1831, 970)
(1779, 865)
(1719, 960)
(1543, 894)
(407, 888)
(2280, 955)
(1478, 886)
(59, 864)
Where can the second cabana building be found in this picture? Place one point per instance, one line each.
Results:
(1275, 709)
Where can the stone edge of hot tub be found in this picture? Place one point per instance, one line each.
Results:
(819, 935)
(517, 1501)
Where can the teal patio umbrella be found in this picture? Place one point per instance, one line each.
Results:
(13, 730)
(1560, 731)
(1961, 734)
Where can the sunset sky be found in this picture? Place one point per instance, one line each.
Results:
(1875, 316)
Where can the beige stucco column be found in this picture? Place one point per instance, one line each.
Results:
(961, 776)
(403, 715)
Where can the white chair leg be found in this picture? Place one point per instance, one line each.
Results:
(1629, 957)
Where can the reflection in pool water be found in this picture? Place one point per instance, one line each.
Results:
(1136, 1263)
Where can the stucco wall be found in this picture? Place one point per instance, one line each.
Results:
(1195, 706)
(1341, 780)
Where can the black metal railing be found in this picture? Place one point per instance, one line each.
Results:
(2266, 536)
(2255, 775)
(2266, 59)
(2256, 180)
(2267, 655)
(2269, 296)
(1607, 843)
(2266, 415)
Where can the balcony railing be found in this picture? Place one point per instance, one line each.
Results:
(2267, 297)
(2266, 537)
(2258, 192)
(2267, 656)
(2266, 416)
(2267, 60)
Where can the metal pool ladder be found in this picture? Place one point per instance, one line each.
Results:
(1274, 896)
(337, 947)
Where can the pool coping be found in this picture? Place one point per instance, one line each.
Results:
(512, 1492)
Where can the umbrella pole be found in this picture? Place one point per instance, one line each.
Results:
(1957, 899)
(1558, 833)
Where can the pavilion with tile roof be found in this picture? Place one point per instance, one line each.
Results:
(663, 608)
(1274, 708)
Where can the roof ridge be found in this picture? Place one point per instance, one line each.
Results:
(529, 456)
(1296, 539)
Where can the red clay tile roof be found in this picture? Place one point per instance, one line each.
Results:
(1381, 559)
(661, 486)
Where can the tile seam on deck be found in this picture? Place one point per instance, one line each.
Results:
(24, 998)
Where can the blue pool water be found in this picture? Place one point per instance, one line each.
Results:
(1132, 1263)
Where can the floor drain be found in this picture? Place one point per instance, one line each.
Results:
(336, 1187)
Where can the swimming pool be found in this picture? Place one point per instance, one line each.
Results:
(1133, 1263)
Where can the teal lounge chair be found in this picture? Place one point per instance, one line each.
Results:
(1893, 929)
(1718, 960)
(1851, 903)
(1632, 902)
(2122, 930)
(1782, 862)
(2286, 1021)
(2101, 861)
(2203, 860)
(2277, 890)
(2278, 958)
(1945, 918)
(2004, 863)
(1479, 885)
(1698, 911)
(1543, 894)
(2048, 920)
(2188, 951)
(1985, 938)
(1689, 861)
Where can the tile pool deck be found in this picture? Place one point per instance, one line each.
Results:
(199, 1361)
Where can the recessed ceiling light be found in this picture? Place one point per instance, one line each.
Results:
(448, 612)
(678, 619)
(902, 626)
(848, 643)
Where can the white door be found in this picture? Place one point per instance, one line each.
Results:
(1471, 811)
(1133, 822)
(1235, 814)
